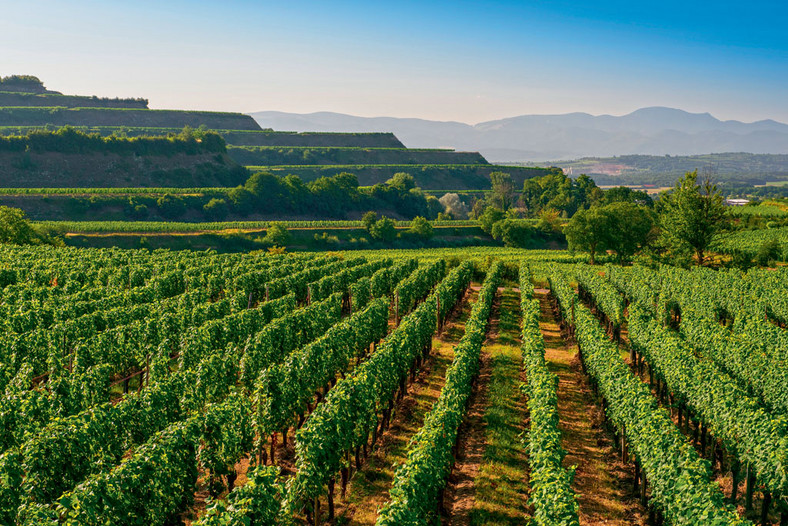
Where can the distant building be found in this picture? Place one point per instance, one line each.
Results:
(737, 202)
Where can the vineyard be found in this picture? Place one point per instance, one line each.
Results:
(388, 388)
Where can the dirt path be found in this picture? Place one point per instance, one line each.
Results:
(602, 483)
(369, 488)
(489, 484)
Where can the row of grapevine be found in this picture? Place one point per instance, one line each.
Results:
(341, 281)
(607, 298)
(381, 283)
(412, 289)
(25, 410)
(287, 333)
(552, 497)
(284, 390)
(65, 452)
(748, 357)
(419, 482)
(679, 478)
(746, 429)
(749, 349)
(139, 320)
(169, 464)
(353, 408)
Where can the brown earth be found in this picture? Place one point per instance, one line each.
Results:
(603, 484)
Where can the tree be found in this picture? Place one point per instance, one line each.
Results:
(171, 206)
(453, 205)
(630, 228)
(402, 181)
(490, 216)
(420, 227)
(15, 229)
(502, 195)
(624, 194)
(216, 209)
(588, 231)
(769, 252)
(558, 191)
(277, 235)
(383, 230)
(549, 221)
(369, 219)
(516, 233)
(693, 215)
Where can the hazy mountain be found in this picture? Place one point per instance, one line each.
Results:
(653, 131)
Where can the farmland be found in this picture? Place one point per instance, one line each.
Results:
(271, 388)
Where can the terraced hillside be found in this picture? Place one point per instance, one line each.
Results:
(373, 157)
(293, 155)
(69, 101)
(87, 116)
(244, 137)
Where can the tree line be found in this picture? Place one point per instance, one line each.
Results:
(70, 140)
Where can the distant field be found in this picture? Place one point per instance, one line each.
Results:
(765, 209)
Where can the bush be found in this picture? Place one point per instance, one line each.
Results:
(489, 217)
(216, 209)
(769, 252)
(514, 233)
(171, 206)
(15, 229)
(421, 228)
(277, 235)
(326, 239)
(383, 230)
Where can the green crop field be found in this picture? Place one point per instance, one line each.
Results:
(213, 372)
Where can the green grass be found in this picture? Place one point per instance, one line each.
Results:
(501, 484)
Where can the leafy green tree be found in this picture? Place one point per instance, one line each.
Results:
(549, 221)
(421, 228)
(489, 217)
(588, 231)
(383, 230)
(369, 220)
(630, 228)
(624, 194)
(502, 195)
(171, 206)
(216, 209)
(15, 229)
(516, 233)
(277, 235)
(693, 215)
(402, 181)
(560, 192)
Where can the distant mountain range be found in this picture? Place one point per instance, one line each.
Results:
(540, 138)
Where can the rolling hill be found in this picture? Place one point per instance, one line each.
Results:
(647, 131)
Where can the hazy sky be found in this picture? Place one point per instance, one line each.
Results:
(463, 61)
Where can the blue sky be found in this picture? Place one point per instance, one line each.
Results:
(463, 61)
